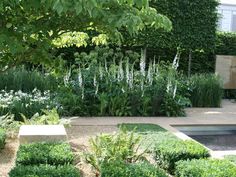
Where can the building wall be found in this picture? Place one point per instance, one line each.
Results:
(227, 21)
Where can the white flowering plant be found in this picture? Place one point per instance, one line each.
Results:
(28, 104)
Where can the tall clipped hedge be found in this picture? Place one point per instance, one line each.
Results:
(194, 29)
(226, 43)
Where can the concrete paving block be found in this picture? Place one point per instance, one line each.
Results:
(39, 133)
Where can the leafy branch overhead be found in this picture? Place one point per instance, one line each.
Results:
(31, 29)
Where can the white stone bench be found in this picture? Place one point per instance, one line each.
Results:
(39, 133)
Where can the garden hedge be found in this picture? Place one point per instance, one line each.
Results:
(44, 171)
(2, 138)
(205, 168)
(190, 32)
(169, 151)
(44, 153)
(120, 169)
(226, 43)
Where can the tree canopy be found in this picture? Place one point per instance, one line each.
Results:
(30, 30)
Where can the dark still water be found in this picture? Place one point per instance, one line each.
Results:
(219, 142)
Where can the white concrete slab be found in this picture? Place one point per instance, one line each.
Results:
(39, 133)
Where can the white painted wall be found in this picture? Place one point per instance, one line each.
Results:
(227, 21)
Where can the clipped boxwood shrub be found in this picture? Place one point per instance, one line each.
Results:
(2, 138)
(120, 169)
(231, 158)
(44, 153)
(205, 168)
(172, 150)
(44, 171)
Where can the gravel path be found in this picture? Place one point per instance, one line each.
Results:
(78, 138)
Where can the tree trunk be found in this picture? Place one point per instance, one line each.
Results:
(189, 62)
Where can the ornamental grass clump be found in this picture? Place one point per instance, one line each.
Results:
(27, 80)
(206, 90)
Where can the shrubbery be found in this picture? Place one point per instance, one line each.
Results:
(44, 159)
(231, 158)
(44, 171)
(2, 138)
(119, 147)
(44, 153)
(226, 43)
(26, 80)
(121, 169)
(117, 88)
(169, 150)
(206, 168)
(28, 104)
(206, 90)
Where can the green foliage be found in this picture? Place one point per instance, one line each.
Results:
(206, 90)
(116, 169)
(111, 85)
(26, 81)
(28, 104)
(2, 138)
(190, 32)
(44, 153)
(8, 123)
(29, 28)
(231, 158)
(121, 146)
(44, 171)
(170, 150)
(226, 42)
(205, 168)
(152, 139)
(102, 54)
(141, 128)
(174, 106)
(49, 117)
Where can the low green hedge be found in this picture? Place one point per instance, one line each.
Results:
(44, 153)
(205, 168)
(120, 169)
(44, 171)
(170, 150)
(231, 158)
(2, 138)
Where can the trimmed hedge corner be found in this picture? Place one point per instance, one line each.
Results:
(115, 169)
(2, 138)
(45, 153)
(205, 167)
(169, 151)
(44, 171)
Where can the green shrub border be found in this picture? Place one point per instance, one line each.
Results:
(44, 171)
(169, 151)
(44, 153)
(205, 167)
